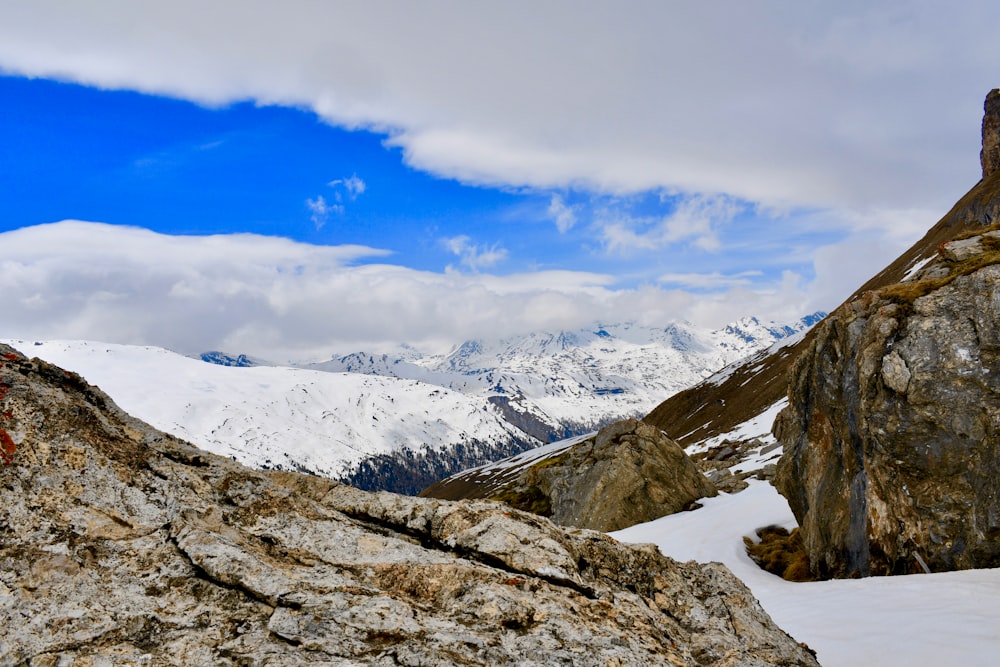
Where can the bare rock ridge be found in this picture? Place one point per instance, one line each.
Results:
(990, 155)
(892, 433)
(628, 473)
(122, 545)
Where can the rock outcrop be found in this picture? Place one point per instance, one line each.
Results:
(990, 155)
(122, 545)
(628, 473)
(892, 433)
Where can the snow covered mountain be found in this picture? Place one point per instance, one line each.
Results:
(341, 425)
(558, 384)
(403, 422)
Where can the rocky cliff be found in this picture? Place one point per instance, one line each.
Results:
(628, 473)
(122, 545)
(990, 155)
(892, 433)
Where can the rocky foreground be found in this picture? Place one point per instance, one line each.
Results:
(122, 545)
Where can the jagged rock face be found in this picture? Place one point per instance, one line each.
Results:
(891, 435)
(628, 473)
(122, 545)
(990, 155)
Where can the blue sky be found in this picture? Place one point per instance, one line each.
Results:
(428, 173)
(175, 167)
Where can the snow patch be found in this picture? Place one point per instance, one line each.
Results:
(947, 618)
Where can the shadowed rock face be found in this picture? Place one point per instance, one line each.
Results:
(120, 544)
(892, 434)
(990, 155)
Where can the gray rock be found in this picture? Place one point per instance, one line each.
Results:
(122, 545)
(629, 473)
(967, 248)
(895, 374)
(892, 449)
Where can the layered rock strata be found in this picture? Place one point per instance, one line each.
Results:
(122, 545)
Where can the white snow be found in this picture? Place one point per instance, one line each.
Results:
(758, 428)
(329, 417)
(532, 456)
(494, 475)
(580, 378)
(913, 270)
(289, 418)
(950, 618)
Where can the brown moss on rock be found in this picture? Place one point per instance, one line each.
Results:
(780, 552)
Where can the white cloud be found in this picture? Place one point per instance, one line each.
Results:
(851, 104)
(710, 281)
(473, 256)
(283, 300)
(320, 210)
(563, 214)
(695, 220)
(352, 185)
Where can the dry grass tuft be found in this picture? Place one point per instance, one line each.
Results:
(780, 552)
(905, 294)
(529, 499)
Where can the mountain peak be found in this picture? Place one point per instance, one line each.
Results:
(990, 155)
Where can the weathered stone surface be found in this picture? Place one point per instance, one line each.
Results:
(963, 249)
(891, 434)
(990, 154)
(121, 545)
(628, 473)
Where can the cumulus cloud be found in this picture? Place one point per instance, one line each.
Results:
(320, 210)
(851, 104)
(709, 281)
(284, 300)
(352, 186)
(865, 114)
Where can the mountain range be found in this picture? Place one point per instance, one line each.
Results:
(402, 421)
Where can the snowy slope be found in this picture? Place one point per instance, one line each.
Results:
(579, 380)
(406, 421)
(949, 618)
(286, 418)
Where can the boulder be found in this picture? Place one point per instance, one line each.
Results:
(628, 473)
(892, 433)
(122, 545)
